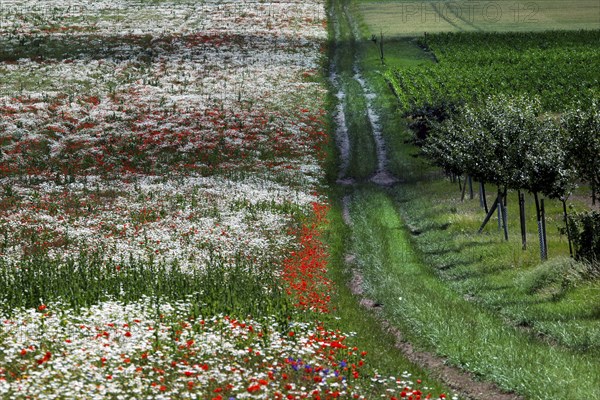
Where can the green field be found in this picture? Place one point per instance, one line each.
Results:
(478, 301)
(475, 65)
(410, 18)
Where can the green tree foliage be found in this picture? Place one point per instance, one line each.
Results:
(508, 142)
(582, 143)
(544, 168)
(423, 119)
(488, 141)
(585, 234)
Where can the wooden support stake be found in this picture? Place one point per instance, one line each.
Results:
(489, 214)
(480, 195)
(566, 217)
(522, 218)
(543, 214)
(464, 189)
(540, 227)
(485, 205)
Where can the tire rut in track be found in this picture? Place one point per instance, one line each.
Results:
(382, 176)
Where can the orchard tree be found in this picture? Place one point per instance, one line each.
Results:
(445, 145)
(545, 170)
(488, 143)
(425, 118)
(583, 144)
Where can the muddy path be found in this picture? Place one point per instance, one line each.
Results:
(382, 176)
(342, 138)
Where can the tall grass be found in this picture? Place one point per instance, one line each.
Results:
(236, 287)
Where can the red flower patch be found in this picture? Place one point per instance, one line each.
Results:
(305, 270)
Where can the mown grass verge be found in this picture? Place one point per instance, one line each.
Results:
(434, 315)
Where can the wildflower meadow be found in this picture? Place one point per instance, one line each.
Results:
(162, 205)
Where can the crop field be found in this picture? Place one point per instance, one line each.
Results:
(413, 17)
(470, 67)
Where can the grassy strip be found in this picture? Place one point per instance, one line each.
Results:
(350, 317)
(401, 52)
(362, 154)
(432, 314)
(363, 158)
(347, 314)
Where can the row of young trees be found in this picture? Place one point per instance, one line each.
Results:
(509, 142)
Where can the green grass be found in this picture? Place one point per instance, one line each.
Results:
(433, 314)
(350, 317)
(410, 18)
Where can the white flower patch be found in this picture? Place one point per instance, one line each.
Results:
(140, 17)
(214, 86)
(113, 348)
(157, 219)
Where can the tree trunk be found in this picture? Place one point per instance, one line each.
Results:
(381, 47)
(522, 219)
(566, 217)
(540, 229)
(470, 187)
(499, 214)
